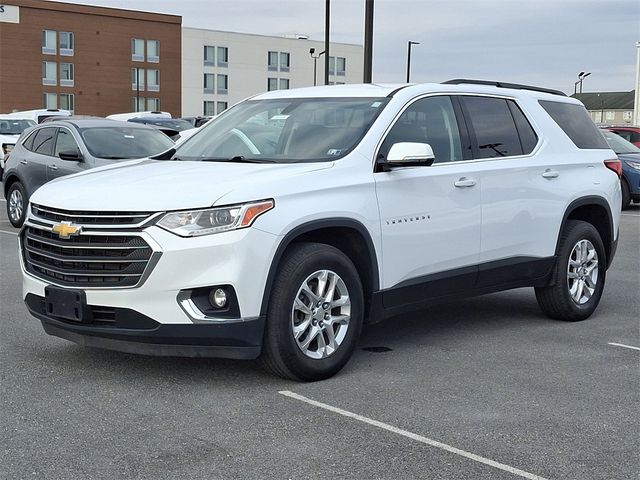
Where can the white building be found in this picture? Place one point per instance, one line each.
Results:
(221, 68)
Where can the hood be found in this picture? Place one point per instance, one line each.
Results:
(4, 138)
(160, 185)
(632, 157)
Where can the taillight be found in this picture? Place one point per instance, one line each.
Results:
(615, 165)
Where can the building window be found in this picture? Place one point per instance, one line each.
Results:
(209, 83)
(49, 73)
(610, 115)
(338, 66)
(208, 109)
(221, 107)
(153, 104)
(223, 83)
(209, 55)
(278, 61)
(272, 84)
(627, 115)
(138, 104)
(153, 51)
(272, 61)
(66, 74)
(67, 102)
(137, 50)
(153, 80)
(223, 56)
(284, 62)
(49, 100)
(49, 42)
(66, 44)
(284, 84)
(137, 79)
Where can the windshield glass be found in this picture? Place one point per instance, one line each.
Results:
(174, 123)
(619, 144)
(125, 143)
(14, 127)
(287, 130)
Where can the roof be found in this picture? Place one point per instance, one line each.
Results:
(607, 100)
(93, 123)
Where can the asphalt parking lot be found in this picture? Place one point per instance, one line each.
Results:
(484, 388)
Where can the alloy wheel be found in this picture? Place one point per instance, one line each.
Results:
(582, 272)
(16, 205)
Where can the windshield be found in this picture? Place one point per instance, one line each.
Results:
(125, 143)
(619, 144)
(173, 123)
(288, 130)
(14, 127)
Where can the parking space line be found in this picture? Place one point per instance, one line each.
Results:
(631, 215)
(623, 345)
(9, 233)
(413, 436)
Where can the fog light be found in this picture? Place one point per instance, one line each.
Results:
(218, 298)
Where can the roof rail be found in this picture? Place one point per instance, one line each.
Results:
(515, 86)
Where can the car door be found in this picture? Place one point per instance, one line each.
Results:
(65, 142)
(430, 215)
(32, 166)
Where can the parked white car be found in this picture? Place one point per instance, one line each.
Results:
(299, 215)
(10, 130)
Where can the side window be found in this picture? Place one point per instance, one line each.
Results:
(65, 142)
(528, 137)
(28, 143)
(43, 141)
(576, 123)
(430, 120)
(494, 127)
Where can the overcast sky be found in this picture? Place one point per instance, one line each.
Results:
(543, 42)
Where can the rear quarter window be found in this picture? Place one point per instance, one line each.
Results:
(575, 121)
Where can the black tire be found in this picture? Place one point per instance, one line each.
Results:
(626, 194)
(556, 300)
(16, 189)
(281, 354)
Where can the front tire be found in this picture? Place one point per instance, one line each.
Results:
(16, 204)
(579, 275)
(315, 313)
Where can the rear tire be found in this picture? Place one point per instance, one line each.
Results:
(315, 313)
(626, 194)
(579, 275)
(16, 204)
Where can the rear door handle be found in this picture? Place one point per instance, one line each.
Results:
(24, 162)
(53, 166)
(465, 182)
(548, 173)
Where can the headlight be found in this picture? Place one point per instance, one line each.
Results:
(194, 223)
(634, 165)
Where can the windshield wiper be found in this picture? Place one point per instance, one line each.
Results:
(236, 159)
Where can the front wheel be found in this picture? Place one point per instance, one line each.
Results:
(315, 313)
(579, 274)
(626, 194)
(16, 204)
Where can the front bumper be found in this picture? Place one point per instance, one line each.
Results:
(132, 332)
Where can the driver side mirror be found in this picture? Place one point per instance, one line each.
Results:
(71, 155)
(410, 154)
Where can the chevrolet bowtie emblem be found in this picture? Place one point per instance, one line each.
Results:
(66, 230)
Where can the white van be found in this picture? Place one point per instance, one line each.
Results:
(38, 115)
(128, 116)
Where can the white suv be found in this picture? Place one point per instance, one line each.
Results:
(296, 216)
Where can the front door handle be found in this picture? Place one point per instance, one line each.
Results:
(548, 173)
(24, 162)
(465, 182)
(53, 166)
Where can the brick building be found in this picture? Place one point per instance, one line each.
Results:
(91, 60)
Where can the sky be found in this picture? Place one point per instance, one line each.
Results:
(540, 42)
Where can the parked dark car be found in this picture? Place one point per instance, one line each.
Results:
(629, 133)
(63, 147)
(197, 122)
(629, 156)
(169, 126)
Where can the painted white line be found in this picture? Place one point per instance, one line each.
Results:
(413, 436)
(623, 345)
(631, 215)
(9, 233)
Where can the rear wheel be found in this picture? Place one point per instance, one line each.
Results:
(16, 204)
(626, 194)
(579, 274)
(315, 313)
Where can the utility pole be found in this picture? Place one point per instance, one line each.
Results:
(368, 41)
(327, 25)
(636, 99)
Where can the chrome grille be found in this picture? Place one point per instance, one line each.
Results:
(90, 218)
(87, 260)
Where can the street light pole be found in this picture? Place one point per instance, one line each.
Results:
(327, 25)
(582, 76)
(409, 58)
(368, 41)
(137, 89)
(315, 62)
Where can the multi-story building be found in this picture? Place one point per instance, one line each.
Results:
(91, 60)
(221, 68)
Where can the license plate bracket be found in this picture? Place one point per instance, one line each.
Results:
(64, 303)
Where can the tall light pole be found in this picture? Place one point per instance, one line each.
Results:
(581, 77)
(327, 25)
(409, 58)
(368, 41)
(636, 99)
(312, 51)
